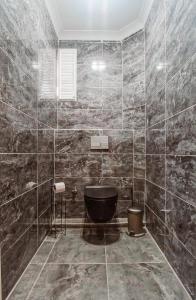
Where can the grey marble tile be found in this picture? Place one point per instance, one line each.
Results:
(112, 76)
(112, 98)
(181, 89)
(181, 177)
(139, 165)
(16, 217)
(89, 119)
(139, 141)
(45, 167)
(156, 228)
(117, 165)
(44, 196)
(88, 52)
(120, 141)
(133, 250)
(45, 141)
(181, 220)
(77, 250)
(112, 53)
(180, 26)
(41, 255)
(47, 112)
(71, 282)
(133, 73)
(87, 77)
(74, 141)
(121, 211)
(15, 260)
(181, 138)
(182, 261)
(18, 172)
(25, 283)
(18, 131)
(84, 165)
(156, 139)
(44, 225)
(144, 281)
(155, 169)
(123, 185)
(156, 200)
(75, 209)
(133, 94)
(134, 118)
(133, 48)
(155, 107)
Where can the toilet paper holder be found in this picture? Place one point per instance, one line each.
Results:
(59, 220)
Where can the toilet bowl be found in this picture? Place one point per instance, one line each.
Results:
(100, 202)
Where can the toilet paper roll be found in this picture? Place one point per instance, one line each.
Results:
(59, 187)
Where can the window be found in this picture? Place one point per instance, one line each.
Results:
(67, 74)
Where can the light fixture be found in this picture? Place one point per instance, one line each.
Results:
(98, 65)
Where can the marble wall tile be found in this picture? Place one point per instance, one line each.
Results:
(181, 173)
(78, 165)
(139, 166)
(117, 165)
(181, 133)
(133, 73)
(112, 76)
(133, 94)
(134, 118)
(155, 199)
(182, 261)
(45, 141)
(120, 141)
(139, 192)
(156, 227)
(44, 196)
(44, 225)
(18, 172)
(139, 141)
(16, 217)
(124, 185)
(180, 25)
(15, 260)
(45, 167)
(155, 169)
(87, 77)
(181, 89)
(18, 131)
(155, 139)
(122, 207)
(87, 52)
(181, 220)
(112, 53)
(89, 119)
(74, 209)
(112, 98)
(155, 107)
(47, 112)
(133, 48)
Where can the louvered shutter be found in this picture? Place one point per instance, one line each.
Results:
(67, 73)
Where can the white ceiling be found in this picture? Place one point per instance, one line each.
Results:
(98, 19)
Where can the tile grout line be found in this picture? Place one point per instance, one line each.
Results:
(107, 281)
(43, 266)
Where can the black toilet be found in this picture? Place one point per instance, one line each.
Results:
(100, 202)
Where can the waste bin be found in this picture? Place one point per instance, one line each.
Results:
(135, 221)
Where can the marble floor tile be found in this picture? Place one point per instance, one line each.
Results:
(74, 249)
(144, 281)
(71, 282)
(42, 254)
(132, 250)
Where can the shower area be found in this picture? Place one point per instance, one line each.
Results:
(139, 91)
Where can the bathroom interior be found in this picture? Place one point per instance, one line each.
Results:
(97, 149)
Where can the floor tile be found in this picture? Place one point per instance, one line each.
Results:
(132, 250)
(25, 283)
(144, 282)
(71, 282)
(42, 254)
(74, 249)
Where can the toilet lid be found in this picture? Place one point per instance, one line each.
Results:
(100, 192)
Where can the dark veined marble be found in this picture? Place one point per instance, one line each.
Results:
(155, 107)
(112, 76)
(182, 220)
(45, 141)
(181, 177)
(155, 139)
(88, 52)
(181, 136)
(112, 53)
(139, 141)
(144, 281)
(86, 77)
(47, 113)
(45, 167)
(139, 166)
(120, 141)
(133, 94)
(66, 281)
(117, 165)
(44, 225)
(133, 48)
(112, 98)
(44, 196)
(155, 169)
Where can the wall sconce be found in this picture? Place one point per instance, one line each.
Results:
(98, 65)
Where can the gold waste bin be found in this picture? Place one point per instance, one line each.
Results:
(135, 221)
